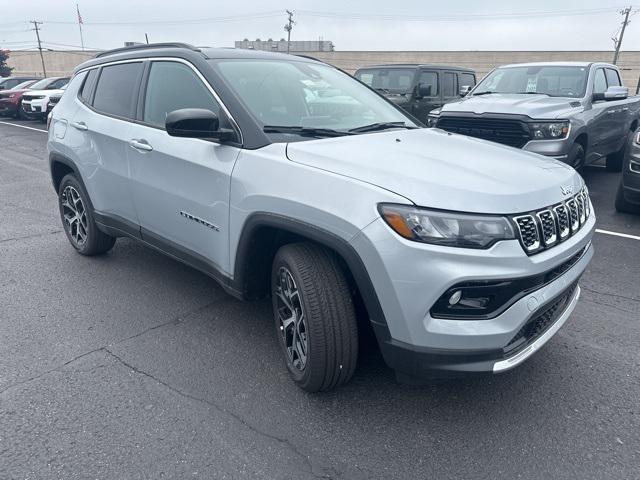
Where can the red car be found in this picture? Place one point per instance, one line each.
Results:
(10, 99)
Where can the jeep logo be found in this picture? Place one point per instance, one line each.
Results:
(566, 189)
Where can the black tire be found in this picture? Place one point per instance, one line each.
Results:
(330, 327)
(622, 204)
(614, 161)
(577, 156)
(95, 242)
(20, 113)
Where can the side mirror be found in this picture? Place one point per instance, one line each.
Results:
(196, 123)
(423, 90)
(464, 90)
(612, 93)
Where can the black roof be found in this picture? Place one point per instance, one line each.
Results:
(419, 65)
(185, 51)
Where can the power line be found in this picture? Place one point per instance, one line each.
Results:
(192, 21)
(455, 17)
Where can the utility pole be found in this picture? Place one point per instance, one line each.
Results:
(288, 27)
(36, 26)
(618, 41)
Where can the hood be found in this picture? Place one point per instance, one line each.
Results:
(46, 93)
(437, 169)
(534, 106)
(5, 93)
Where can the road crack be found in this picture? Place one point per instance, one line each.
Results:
(591, 290)
(35, 235)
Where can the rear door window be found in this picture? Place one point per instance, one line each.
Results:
(117, 89)
(466, 79)
(449, 86)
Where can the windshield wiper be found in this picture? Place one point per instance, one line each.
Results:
(383, 90)
(531, 93)
(311, 131)
(486, 92)
(380, 126)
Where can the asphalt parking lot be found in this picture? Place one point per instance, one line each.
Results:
(132, 365)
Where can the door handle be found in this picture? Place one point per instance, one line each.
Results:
(140, 145)
(80, 126)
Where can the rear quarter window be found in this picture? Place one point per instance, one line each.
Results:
(117, 89)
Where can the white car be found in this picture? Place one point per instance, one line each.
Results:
(36, 103)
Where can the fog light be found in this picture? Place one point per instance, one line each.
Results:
(455, 298)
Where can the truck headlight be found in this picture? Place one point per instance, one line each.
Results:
(446, 228)
(549, 130)
(432, 118)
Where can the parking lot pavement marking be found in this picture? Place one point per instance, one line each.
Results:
(616, 234)
(23, 126)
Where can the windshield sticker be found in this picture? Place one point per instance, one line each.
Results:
(532, 84)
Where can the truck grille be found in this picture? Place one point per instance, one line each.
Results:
(514, 133)
(543, 229)
(541, 322)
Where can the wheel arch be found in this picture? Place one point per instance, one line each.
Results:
(583, 139)
(60, 166)
(264, 233)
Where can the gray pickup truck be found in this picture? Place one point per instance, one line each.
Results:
(576, 112)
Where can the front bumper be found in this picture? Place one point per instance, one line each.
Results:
(33, 108)
(558, 149)
(631, 176)
(410, 277)
(7, 107)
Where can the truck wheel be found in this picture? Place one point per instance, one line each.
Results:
(314, 316)
(614, 160)
(622, 204)
(576, 156)
(76, 214)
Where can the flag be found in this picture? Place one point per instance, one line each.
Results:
(79, 16)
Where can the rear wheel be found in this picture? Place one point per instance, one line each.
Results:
(314, 316)
(76, 214)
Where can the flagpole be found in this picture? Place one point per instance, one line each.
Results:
(80, 26)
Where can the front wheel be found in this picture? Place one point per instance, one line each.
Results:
(314, 316)
(576, 156)
(77, 219)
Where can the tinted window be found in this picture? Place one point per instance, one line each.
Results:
(173, 86)
(61, 82)
(117, 88)
(613, 79)
(449, 85)
(87, 87)
(429, 79)
(392, 80)
(599, 82)
(466, 80)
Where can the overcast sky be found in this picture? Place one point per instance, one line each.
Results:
(351, 25)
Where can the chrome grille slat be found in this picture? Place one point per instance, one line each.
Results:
(548, 226)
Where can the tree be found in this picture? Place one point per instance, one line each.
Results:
(5, 70)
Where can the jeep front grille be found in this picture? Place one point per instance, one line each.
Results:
(543, 229)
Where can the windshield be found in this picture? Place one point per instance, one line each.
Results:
(554, 81)
(41, 84)
(301, 94)
(388, 80)
(22, 85)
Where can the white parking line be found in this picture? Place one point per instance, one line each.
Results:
(23, 126)
(616, 234)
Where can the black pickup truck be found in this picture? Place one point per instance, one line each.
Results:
(416, 88)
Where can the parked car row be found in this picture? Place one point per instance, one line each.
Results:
(32, 98)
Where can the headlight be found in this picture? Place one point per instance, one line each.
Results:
(549, 130)
(432, 120)
(446, 228)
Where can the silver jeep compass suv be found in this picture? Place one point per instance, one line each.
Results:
(283, 176)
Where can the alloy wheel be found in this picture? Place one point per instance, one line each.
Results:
(291, 319)
(75, 215)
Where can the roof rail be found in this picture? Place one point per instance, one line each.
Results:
(145, 46)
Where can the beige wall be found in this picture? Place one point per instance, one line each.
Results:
(62, 63)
